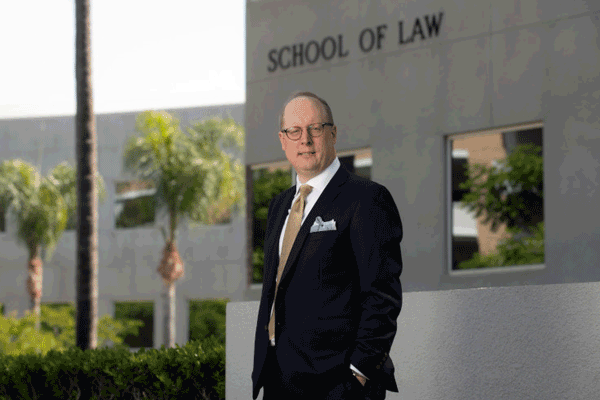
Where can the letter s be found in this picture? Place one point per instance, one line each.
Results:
(273, 60)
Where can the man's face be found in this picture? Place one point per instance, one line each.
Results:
(308, 155)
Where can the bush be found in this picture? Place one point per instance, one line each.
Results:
(519, 249)
(193, 371)
(207, 318)
(57, 331)
(258, 262)
(511, 193)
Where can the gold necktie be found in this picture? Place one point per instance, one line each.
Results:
(291, 231)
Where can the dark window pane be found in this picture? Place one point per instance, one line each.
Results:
(463, 249)
(459, 175)
(140, 310)
(267, 183)
(135, 204)
(2, 218)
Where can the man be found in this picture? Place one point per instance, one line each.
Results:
(331, 289)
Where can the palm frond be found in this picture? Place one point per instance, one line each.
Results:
(40, 205)
(195, 174)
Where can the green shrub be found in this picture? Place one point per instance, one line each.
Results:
(207, 318)
(19, 336)
(193, 371)
(518, 249)
(510, 193)
(258, 262)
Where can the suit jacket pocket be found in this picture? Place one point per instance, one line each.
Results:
(319, 246)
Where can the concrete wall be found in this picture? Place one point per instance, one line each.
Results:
(525, 342)
(494, 64)
(214, 257)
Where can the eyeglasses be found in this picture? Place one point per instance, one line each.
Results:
(314, 130)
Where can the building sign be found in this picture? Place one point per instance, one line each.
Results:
(369, 39)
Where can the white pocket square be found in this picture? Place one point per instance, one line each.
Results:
(319, 225)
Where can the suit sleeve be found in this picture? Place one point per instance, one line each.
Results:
(376, 232)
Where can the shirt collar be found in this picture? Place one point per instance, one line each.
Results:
(320, 181)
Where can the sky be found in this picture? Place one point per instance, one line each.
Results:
(145, 55)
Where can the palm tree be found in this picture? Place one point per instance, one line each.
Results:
(40, 206)
(194, 177)
(87, 211)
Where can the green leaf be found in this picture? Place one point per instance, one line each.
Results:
(196, 173)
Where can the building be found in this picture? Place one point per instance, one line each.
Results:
(426, 86)
(418, 84)
(129, 249)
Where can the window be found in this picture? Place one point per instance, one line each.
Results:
(496, 207)
(357, 161)
(2, 218)
(135, 204)
(72, 222)
(140, 310)
(268, 180)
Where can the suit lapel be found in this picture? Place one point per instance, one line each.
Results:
(272, 259)
(332, 190)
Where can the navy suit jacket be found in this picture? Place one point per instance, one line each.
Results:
(340, 292)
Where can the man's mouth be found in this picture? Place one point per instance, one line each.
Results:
(306, 153)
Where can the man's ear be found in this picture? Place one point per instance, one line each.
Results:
(334, 133)
(282, 140)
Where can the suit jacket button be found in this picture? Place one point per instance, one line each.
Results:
(266, 328)
(378, 366)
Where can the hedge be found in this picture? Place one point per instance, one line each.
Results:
(193, 371)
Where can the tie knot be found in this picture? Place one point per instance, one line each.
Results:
(305, 190)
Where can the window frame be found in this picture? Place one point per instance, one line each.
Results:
(121, 199)
(449, 228)
(150, 328)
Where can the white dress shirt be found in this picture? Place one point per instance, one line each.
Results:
(318, 184)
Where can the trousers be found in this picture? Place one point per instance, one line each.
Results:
(346, 388)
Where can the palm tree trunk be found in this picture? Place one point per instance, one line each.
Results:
(169, 300)
(170, 269)
(34, 281)
(87, 204)
(170, 322)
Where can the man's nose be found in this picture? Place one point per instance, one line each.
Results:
(306, 136)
